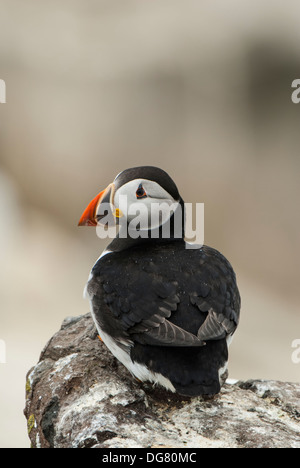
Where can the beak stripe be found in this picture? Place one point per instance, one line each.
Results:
(88, 216)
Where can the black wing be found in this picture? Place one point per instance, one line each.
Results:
(216, 293)
(166, 297)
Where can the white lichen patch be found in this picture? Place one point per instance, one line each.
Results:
(92, 399)
(37, 440)
(89, 407)
(61, 363)
(35, 371)
(125, 398)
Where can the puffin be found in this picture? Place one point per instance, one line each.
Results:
(166, 309)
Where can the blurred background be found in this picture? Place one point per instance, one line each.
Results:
(201, 89)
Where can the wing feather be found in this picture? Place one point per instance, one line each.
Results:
(148, 304)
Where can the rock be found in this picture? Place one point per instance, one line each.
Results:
(79, 395)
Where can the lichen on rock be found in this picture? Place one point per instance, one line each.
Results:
(79, 395)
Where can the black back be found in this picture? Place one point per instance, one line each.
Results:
(148, 294)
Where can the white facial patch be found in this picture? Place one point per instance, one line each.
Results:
(148, 212)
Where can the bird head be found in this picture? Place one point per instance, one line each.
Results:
(141, 198)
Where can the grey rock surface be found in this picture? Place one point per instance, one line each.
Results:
(79, 395)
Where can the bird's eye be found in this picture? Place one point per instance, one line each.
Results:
(140, 193)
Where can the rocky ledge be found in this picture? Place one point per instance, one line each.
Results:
(79, 395)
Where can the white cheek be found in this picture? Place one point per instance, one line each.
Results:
(126, 195)
(149, 212)
(161, 211)
(139, 214)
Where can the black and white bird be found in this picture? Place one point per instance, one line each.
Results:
(167, 312)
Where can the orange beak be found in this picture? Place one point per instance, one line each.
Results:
(89, 216)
